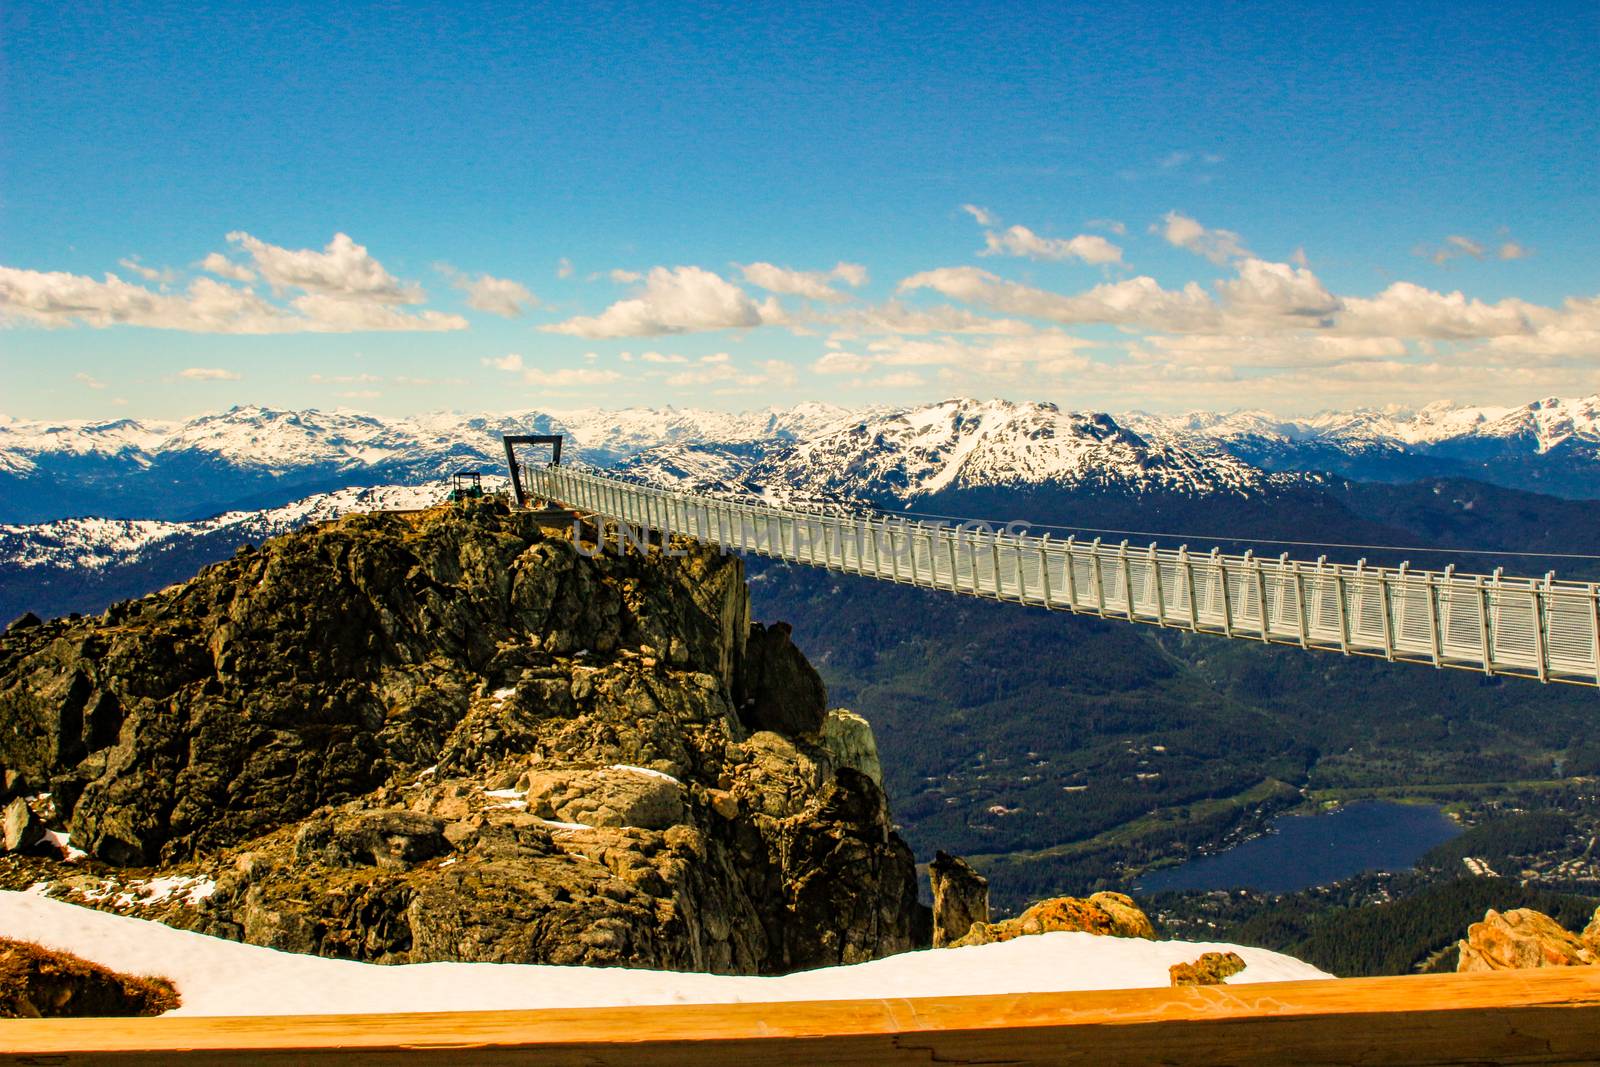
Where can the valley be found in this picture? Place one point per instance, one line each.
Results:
(1061, 754)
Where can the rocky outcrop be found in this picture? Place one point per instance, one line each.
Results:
(1523, 937)
(454, 735)
(20, 828)
(781, 691)
(36, 982)
(847, 739)
(1107, 914)
(960, 898)
(1212, 968)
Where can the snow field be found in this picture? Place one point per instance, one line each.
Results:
(218, 977)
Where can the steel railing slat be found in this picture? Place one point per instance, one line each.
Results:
(1538, 628)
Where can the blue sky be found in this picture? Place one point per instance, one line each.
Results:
(1157, 206)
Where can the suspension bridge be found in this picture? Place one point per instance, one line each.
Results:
(1495, 624)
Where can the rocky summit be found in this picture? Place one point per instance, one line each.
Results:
(460, 734)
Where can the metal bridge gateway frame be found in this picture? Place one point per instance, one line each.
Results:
(1536, 628)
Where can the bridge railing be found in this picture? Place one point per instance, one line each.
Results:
(1528, 627)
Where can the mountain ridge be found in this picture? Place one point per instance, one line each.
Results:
(256, 457)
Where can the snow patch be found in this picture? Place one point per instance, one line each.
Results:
(643, 770)
(63, 841)
(146, 892)
(217, 977)
(508, 798)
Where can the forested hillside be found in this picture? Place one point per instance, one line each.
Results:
(1065, 753)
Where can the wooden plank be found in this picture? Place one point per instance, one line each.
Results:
(1545, 1016)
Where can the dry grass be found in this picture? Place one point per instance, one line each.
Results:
(36, 982)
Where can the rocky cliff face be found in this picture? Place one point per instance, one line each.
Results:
(454, 735)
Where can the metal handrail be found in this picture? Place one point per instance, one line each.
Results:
(1537, 628)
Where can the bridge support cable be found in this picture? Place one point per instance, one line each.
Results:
(1537, 628)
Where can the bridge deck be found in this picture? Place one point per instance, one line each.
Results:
(1500, 625)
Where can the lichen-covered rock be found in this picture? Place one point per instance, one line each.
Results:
(19, 828)
(1108, 914)
(1212, 968)
(960, 898)
(847, 739)
(454, 735)
(1520, 938)
(607, 796)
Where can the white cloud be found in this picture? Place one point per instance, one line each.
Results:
(335, 314)
(852, 274)
(166, 275)
(1405, 309)
(343, 290)
(723, 377)
(811, 284)
(1262, 298)
(893, 316)
(343, 269)
(843, 363)
(1267, 292)
(56, 298)
(562, 378)
(567, 377)
(662, 357)
(1454, 246)
(563, 267)
(1021, 241)
(223, 267)
(675, 300)
(1475, 375)
(345, 379)
(1570, 331)
(1246, 350)
(209, 374)
(624, 277)
(406, 379)
(1110, 225)
(88, 380)
(498, 296)
(1181, 231)
(899, 380)
(1459, 246)
(984, 216)
(1137, 301)
(1012, 358)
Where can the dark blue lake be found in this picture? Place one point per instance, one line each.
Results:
(1301, 851)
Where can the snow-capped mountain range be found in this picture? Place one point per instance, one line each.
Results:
(248, 458)
(165, 498)
(1550, 446)
(258, 438)
(101, 544)
(254, 457)
(895, 458)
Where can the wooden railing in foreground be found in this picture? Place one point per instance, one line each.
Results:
(1520, 1017)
